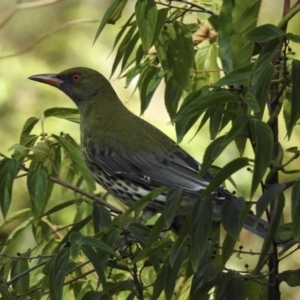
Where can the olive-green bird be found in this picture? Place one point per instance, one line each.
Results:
(128, 156)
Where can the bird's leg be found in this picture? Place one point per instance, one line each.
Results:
(147, 214)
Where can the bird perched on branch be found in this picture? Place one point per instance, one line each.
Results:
(128, 156)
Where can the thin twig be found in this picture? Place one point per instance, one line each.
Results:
(8, 283)
(20, 6)
(50, 33)
(80, 191)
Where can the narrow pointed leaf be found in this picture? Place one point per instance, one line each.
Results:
(263, 152)
(276, 216)
(295, 103)
(57, 273)
(28, 126)
(76, 157)
(264, 201)
(172, 202)
(291, 277)
(70, 114)
(264, 61)
(96, 262)
(202, 218)
(8, 172)
(110, 16)
(181, 53)
(225, 31)
(146, 16)
(225, 173)
(251, 101)
(37, 185)
(181, 240)
(264, 33)
(172, 274)
(295, 207)
(18, 267)
(231, 215)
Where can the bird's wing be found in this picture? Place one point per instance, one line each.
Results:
(177, 169)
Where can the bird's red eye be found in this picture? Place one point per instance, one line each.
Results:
(76, 77)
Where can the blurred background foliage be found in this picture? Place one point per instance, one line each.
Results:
(65, 45)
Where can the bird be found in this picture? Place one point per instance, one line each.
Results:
(128, 156)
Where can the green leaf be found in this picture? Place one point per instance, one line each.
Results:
(146, 16)
(242, 49)
(251, 101)
(121, 32)
(231, 215)
(194, 105)
(128, 52)
(214, 149)
(172, 96)
(70, 114)
(160, 22)
(293, 37)
(263, 61)
(225, 31)
(5, 292)
(112, 14)
(161, 46)
(237, 128)
(148, 86)
(92, 256)
(28, 126)
(232, 287)
(263, 152)
(224, 173)
(261, 89)
(236, 76)
(57, 273)
(8, 172)
(172, 274)
(264, 201)
(291, 277)
(172, 203)
(101, 218)
(139, 205)
(59, 207)
(37, 185)
(180, 53)
(196, 102)
(122, 47)
(295, 106)
(80, 239)
(181, 239)
(140, 232)
(200, 230)
(75, 229)
(264, 33)
(295, 207)
(19, 266)
(40, 152)
(77, 159)
(15, 234)
(276, 216)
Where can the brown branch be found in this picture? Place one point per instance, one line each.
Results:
(80, 191)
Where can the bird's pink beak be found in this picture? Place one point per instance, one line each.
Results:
(47, 78)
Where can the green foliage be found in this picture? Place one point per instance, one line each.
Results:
(223, 72)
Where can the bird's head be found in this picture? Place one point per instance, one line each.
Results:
(82, 85)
